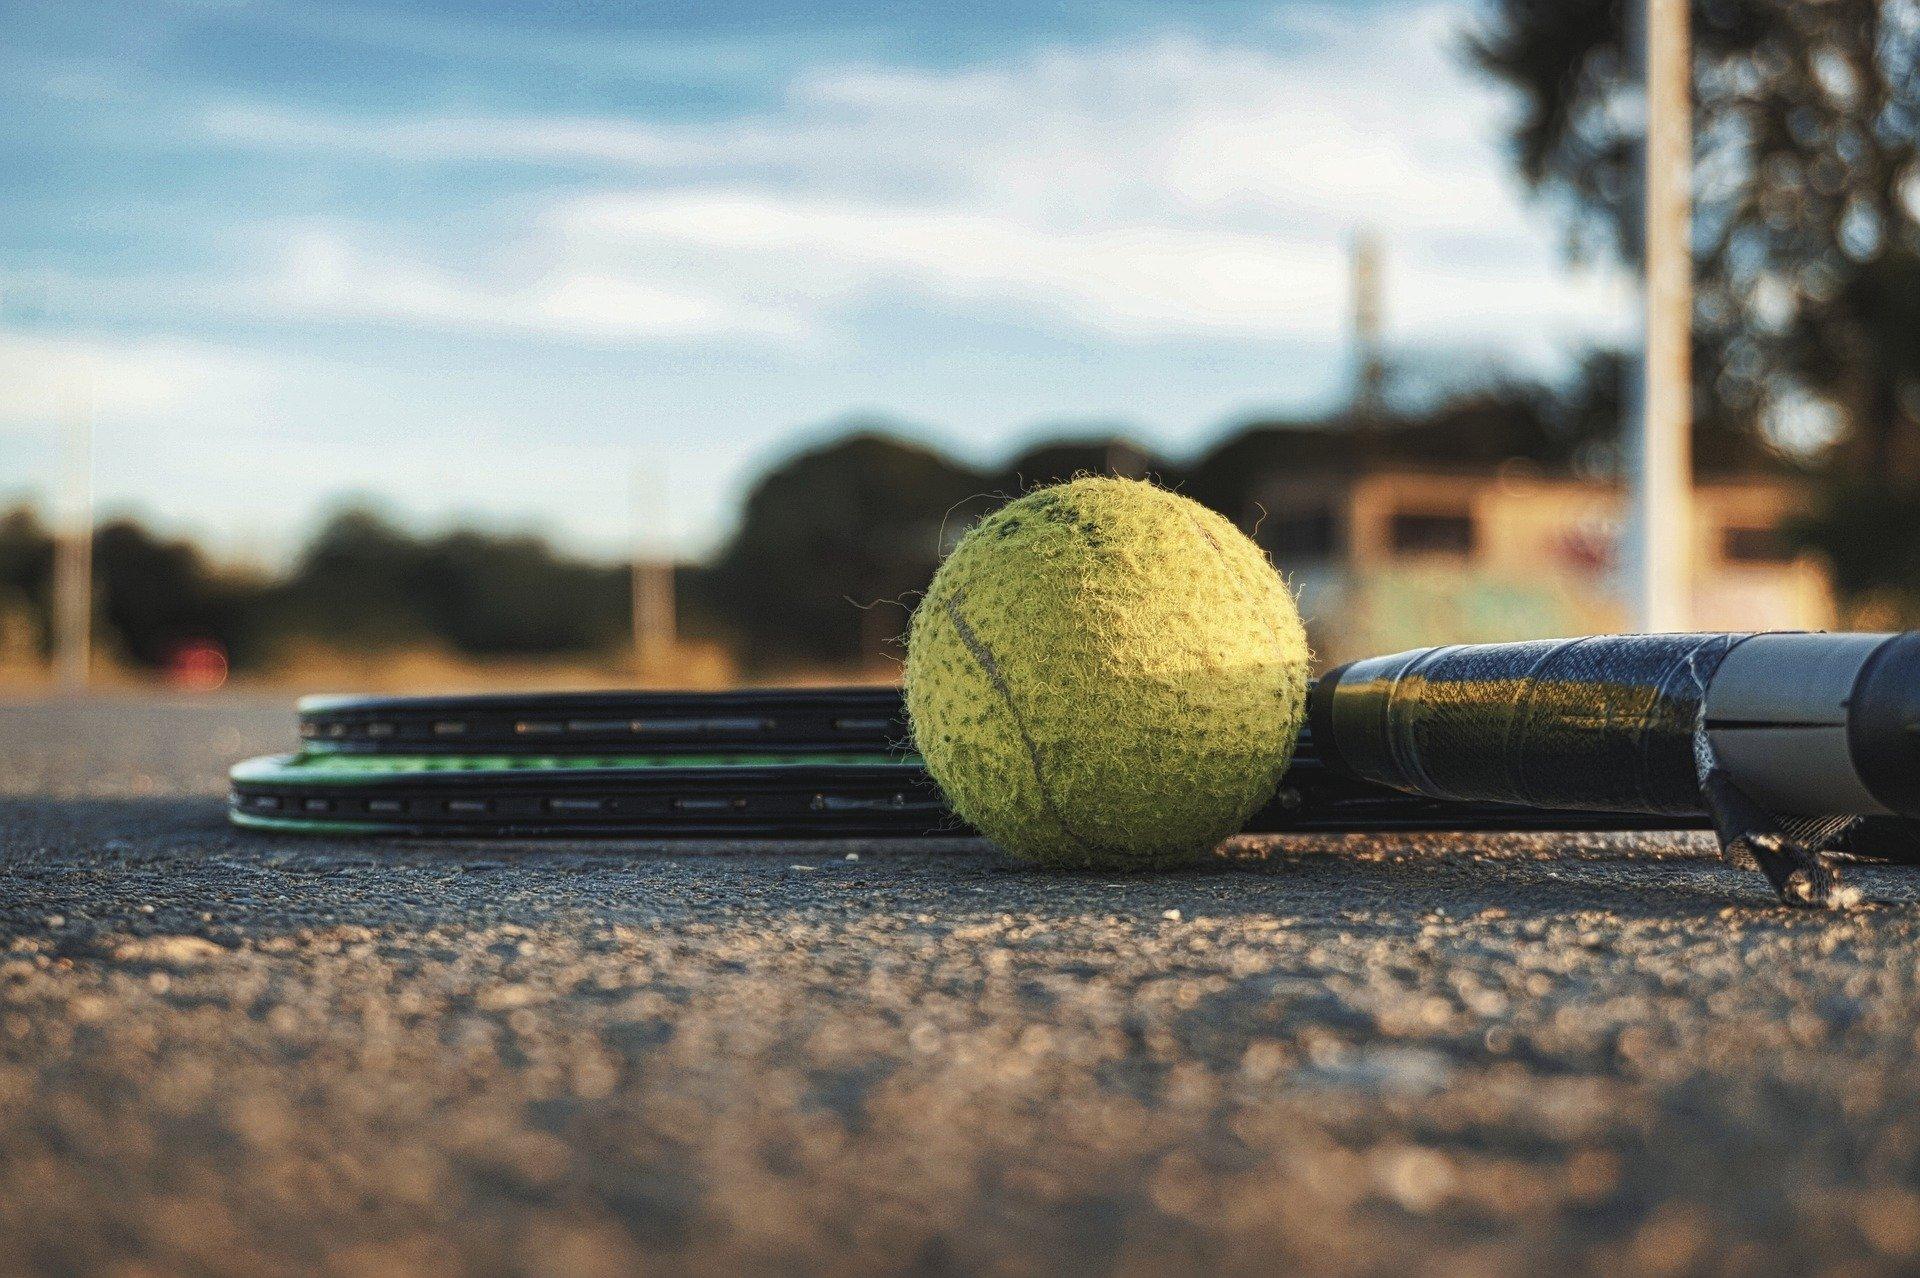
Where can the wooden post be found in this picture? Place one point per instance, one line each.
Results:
(1663, 490)
(655, 622)
(73, 549)
(1370, 365)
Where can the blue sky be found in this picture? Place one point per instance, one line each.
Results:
(485, 260)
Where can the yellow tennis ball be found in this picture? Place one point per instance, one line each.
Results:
(1106, 673)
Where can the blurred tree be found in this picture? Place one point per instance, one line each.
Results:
(156, 596)
(1866, 530)
(362, 582)
(365, 582)
(1483, 426)
(26, 570)
(1807, 196)
(352, 584)
(492, 595)
(832, 541)
(1587, 411)
(1058, 460)
(1230, 474)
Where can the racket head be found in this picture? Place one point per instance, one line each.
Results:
(787, 763)
(779, 720)
(787, 795)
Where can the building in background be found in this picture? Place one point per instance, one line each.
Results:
(1390, 553)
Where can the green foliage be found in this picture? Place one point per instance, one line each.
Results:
(1807, 233)
(1227, 479)
(155, 595)
(1056, 461)
(363, 582)
(26, 569)
(1865, 530)
(831, 544)
(1586, 414)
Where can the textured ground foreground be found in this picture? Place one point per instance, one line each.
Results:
(239, 1054)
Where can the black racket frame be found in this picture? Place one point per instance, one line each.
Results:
(811, 791)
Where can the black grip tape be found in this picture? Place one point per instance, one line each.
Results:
(1605, 723)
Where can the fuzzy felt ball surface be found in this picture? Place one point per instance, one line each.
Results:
(1105, 673)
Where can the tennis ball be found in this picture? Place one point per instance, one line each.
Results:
(1104, 673)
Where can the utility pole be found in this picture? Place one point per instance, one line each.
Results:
(1369, 316)
(70, 396)
(73, 547)
(654, 620)
(1663, 474)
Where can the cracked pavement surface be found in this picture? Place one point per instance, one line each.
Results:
(224, 1052)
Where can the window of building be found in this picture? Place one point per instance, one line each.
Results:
(1741, 544)
(1431, 532)
(1301, 534)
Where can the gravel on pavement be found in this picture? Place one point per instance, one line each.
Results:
(224, 1052)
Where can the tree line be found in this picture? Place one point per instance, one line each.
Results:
(829, 552)
(362, 582)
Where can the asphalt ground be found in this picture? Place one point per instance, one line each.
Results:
(229, 1053)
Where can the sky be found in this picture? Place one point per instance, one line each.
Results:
(523, 263)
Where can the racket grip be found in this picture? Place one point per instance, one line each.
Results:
(1814, 724)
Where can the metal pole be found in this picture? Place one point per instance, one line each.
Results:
(655, 622)
(73, 551)
(1370, 366)
(1664, 491)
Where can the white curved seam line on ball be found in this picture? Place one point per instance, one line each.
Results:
(983, 656)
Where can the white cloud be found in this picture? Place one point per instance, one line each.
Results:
(464, 39)
(1352, 121)
(1169, 188)
(316, 270)
(536, 139)
(1355, 121)
(51, 377)
(1138, 280)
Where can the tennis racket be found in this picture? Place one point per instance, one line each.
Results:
(1794, 746)
(795, 763)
